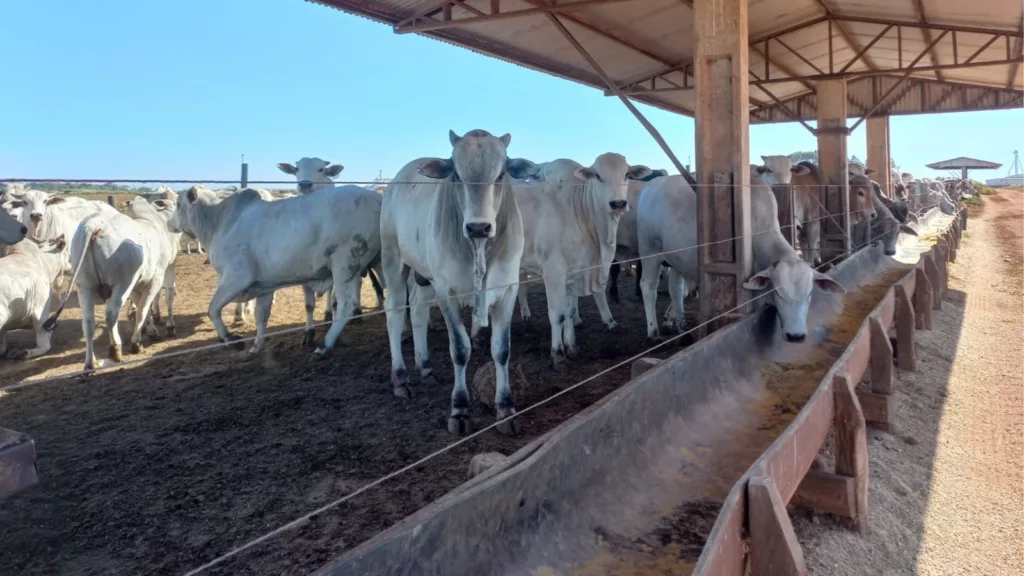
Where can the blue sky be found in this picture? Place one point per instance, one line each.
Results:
(130, 89)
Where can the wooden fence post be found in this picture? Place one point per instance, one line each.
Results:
(877, 404)
(923, 296)
(774, 550)
(852, 446)
(906, 355)
(935, 279)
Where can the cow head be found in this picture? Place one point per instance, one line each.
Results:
(862, 195)
(312, 173)
(181, 217)
(859, 170)
(779, 169)
(477, 167)
(12, 230)
(793, 280)
(33, 205)
(608, 180)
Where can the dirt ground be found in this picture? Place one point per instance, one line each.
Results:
(160, 467)
(947, 485)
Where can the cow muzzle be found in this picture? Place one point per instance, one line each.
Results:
(795, 338)
(36, 217)
(305, 186)
(618, 204)
(478, 230)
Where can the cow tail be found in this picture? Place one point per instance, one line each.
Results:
(51, 322)
(376, 284)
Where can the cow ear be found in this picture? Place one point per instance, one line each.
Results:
(638, 172)
(333, 170)
(869, 171)
(54, 200)
(437, 169)
(162, 204)
(17, 203)
(585, 173)
(454, 138)
(192, 195)
(521, 168)
(800, 170)
(763, 169)
(908, 230)
(759, 281)
(287, 168)
(506, 140)
(828, 284)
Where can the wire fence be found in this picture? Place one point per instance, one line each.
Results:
(301, 520)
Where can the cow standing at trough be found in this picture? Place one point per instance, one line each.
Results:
(311, 175)
(885, 228)
(570, 223)
(808, 210)
(667, 232)
(29, 277)
(259, 246)
(117, 257)
(454, 224)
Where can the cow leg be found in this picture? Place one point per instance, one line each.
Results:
(240, 310)
(677, 292)
(460, 348)
(346, 305)
(170, 291)
(812, 233)
(85, 302)
(501, 349)
(395, 278)
(309, 338)
(602, 306)
(613, 282)
(263, 305)
(524, 306)
(569, 327)
(558, 310)
(356, 288)
(156, 307)
(227, 290)
(649, 291)
(3, 341)
(113, 310)
(419, 313)
(199, 247)
(143, 302)
(575, 303)
(329, 307)
(639, 276)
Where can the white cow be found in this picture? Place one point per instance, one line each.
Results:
(164, 192)
(455, 225)
(12, 230)
(314, 174)
(626, 246)
(667, 221)
(258, 246)
(121, 257)
(49, 216)
(165, 208)
(29, 277)
(570, 223)
(885, 228)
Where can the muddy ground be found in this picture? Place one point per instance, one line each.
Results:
(160, 467)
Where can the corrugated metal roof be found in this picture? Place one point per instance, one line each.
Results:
(646, 45)
(964, 162)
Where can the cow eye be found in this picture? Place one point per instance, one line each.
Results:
(500, 176)
(861, 193)
(321, 170)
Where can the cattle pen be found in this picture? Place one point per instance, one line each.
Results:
(641, 459)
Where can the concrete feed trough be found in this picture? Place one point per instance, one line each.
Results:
(635, 483)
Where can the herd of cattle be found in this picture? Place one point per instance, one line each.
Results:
(455, 232)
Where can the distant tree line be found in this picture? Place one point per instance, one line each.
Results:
(812, 155)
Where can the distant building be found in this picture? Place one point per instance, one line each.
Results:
(1015, 176)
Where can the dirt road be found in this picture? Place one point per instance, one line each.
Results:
(947, 486)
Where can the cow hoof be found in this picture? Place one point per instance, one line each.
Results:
(508, 427)
(115, 353)
(319, 354)
(238, 321)
(136, 348)
(402, 391)
(655, 338)
(171, 331)
(571, 351)
(612, 325)
(17, 354)
(459, 425)
(234, 341)
(309, 338)
(561, 364)
(428, 373)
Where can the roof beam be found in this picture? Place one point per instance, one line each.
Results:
(481, 17)
(608, 81)
(850, 41)
(1017, 55)
(927, 35)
